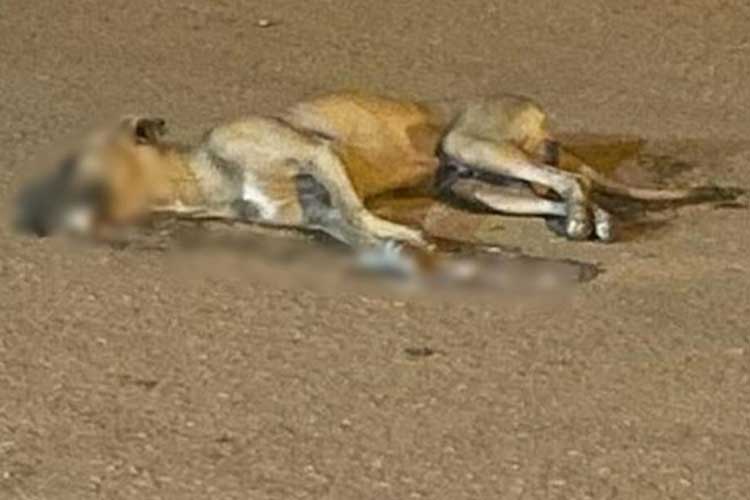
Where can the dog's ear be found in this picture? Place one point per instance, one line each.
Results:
(149, 130)
(146, 129)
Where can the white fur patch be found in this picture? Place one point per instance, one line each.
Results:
(252, 193)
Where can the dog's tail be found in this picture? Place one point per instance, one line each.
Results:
(695, 194)
(601, 183)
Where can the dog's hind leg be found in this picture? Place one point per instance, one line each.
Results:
(504, 158)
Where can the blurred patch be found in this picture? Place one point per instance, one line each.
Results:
(290, 258)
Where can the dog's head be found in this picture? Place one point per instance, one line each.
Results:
(105, 180)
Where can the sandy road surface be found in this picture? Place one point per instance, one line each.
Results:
(119, 379)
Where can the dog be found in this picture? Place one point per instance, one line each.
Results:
(316, 164)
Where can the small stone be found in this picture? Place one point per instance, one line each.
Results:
(265, 23)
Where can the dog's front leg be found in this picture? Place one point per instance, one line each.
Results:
(351, 221)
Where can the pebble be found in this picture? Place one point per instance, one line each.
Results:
(265, 23)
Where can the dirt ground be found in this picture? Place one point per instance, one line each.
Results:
(122, 379)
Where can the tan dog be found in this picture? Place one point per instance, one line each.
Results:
(316, 164)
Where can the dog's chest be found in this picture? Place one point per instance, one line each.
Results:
(256, 201)
(248, 195)
(268, 199)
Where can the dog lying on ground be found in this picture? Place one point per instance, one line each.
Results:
(315, 165)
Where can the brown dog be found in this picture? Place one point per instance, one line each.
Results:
(315, 165)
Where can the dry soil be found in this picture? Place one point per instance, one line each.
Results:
(122, 379)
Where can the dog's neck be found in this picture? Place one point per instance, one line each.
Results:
(175, 182)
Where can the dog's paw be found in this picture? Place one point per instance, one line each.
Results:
(578, 224)
(603, 225)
